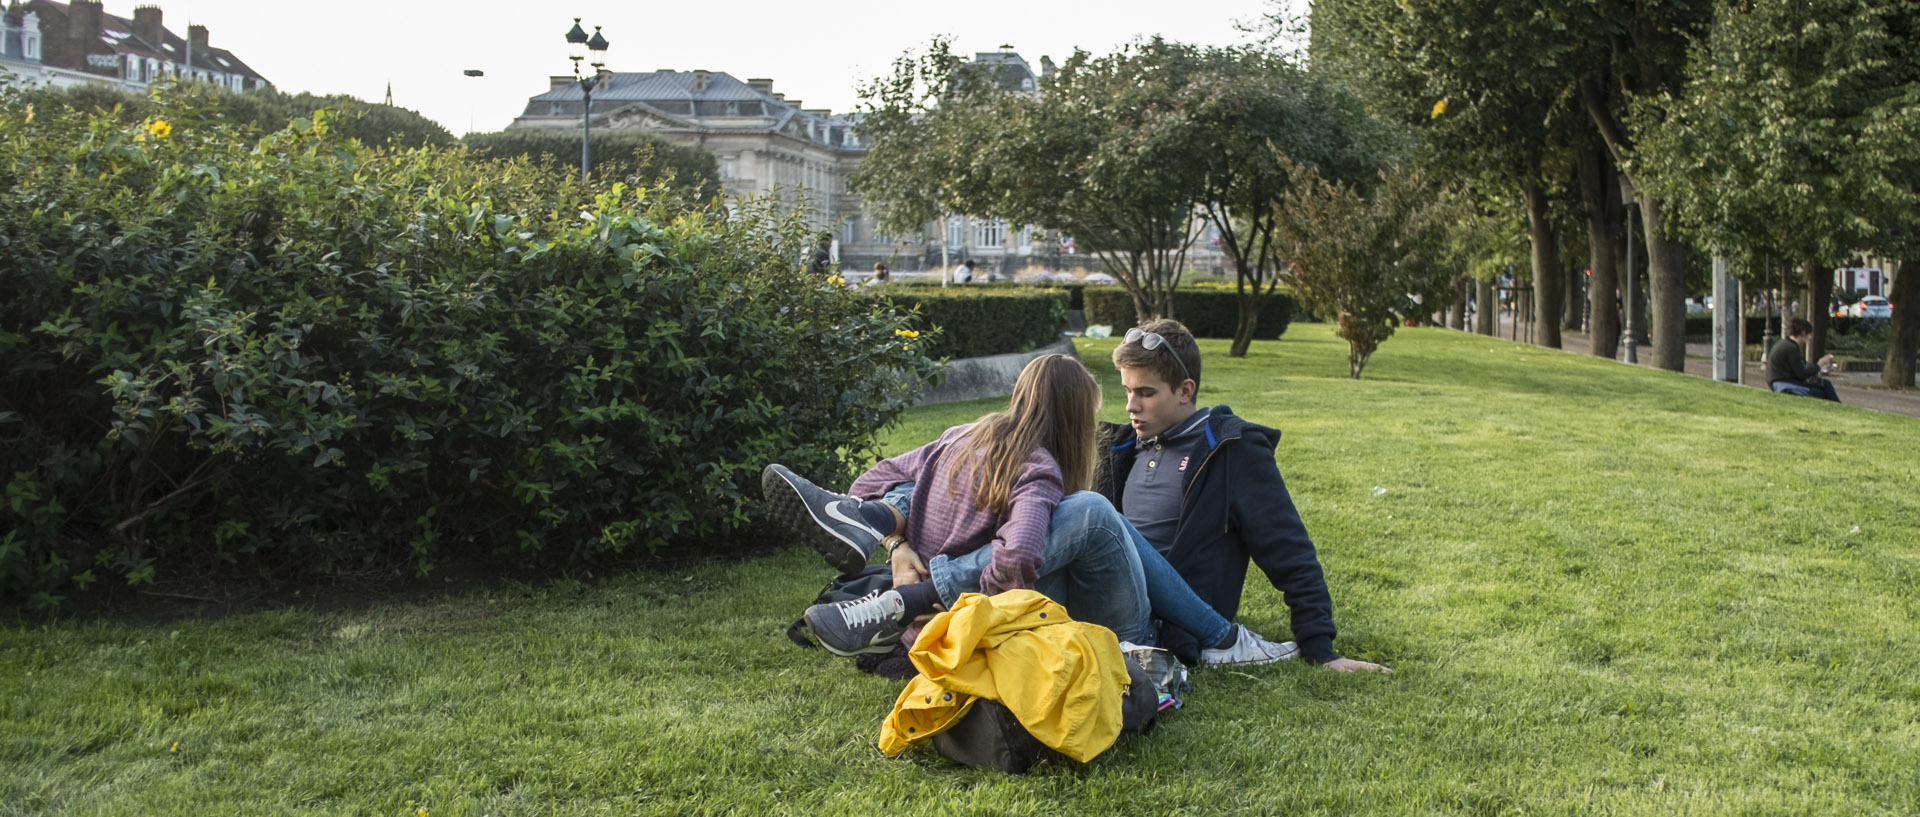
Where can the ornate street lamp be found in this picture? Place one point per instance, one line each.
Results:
(582, 48)
(1626, 198)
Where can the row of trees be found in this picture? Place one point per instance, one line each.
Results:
(1767, 131)
(1778, 134)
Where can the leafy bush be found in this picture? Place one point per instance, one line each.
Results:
(265, 110)
(637, 157)
(297, 352)
(975, 321)
(1208, 311)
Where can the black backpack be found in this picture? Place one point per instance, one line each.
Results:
(990, 737)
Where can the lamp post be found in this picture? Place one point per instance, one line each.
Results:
(471, 72)
(1626, 198)
(583, 47)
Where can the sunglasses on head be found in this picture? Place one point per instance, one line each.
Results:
(1151, 341)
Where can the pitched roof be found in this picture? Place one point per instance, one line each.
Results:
(117, 32)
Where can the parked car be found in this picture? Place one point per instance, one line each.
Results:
(1872, 306)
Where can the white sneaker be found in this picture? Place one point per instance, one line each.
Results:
(1250, 648)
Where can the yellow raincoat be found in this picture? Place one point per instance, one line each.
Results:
(1062, 678)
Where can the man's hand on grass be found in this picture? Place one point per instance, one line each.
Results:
(1350, 665)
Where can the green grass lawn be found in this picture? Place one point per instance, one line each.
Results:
(1604, 590)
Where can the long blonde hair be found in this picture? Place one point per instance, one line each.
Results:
(1055, 406)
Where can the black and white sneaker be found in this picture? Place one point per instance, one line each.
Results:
(872, 623)
(830, 522)
(1249, 647)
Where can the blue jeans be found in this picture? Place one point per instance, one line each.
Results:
(1824, 391)
(1097, 566)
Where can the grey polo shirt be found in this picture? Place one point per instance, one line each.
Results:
(1158, 479)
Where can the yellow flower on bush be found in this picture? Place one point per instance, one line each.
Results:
(29, 113)
(1438, 109)
(909, 334)
(159, 128)
(836, 280)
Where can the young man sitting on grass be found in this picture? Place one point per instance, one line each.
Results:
(1200, 484)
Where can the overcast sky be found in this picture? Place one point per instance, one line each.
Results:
(815, 52)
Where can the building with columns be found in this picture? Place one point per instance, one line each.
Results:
(769, 145)
(50, 44)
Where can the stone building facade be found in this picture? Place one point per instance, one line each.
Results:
(44, 43)
(769, 145)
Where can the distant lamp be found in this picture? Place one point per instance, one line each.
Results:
(474, 72)
(581, 47)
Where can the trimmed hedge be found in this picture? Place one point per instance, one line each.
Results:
(298, 353)
(976, 321)
(1702, 325)
(1207, 311)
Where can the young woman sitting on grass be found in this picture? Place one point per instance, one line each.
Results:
(1000, 504)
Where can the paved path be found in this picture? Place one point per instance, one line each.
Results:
(1861, 389)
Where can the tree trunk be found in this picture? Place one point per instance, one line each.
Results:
(1903, 335)
(1666, 290)
(1457, 314)
(1243, 326)
(1601, 194)
(1546, 264)
(1819, 282)
(1485, 308)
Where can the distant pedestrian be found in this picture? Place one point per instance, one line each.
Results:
(963, 274)
(881, 274)
(1788, 370)
(822, 263)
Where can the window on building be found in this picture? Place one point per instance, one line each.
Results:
(33, 48)
(729, 168)
(993, 233)
(132, 69)
(882, 239)
(848, 232)
(956, 232)
(1025, 241)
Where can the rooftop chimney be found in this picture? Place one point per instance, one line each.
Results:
(823, 113)
(146, 24)
(761, 84)
(700, 78)
(558, 81)
(197, 35)
(83, 20)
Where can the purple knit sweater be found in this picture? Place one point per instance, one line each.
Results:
(945, 519)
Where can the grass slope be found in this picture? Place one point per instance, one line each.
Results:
(1604, 590)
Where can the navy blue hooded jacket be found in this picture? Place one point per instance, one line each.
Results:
(1235, 510)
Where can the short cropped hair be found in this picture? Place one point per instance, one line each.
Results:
(1798, 326)
(1159, 361)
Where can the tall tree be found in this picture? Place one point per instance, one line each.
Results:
(1104, 153)
(1250, 109)
(1481, 83)
(1625, 51)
